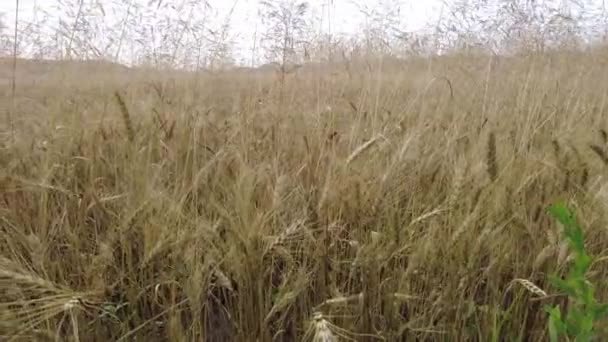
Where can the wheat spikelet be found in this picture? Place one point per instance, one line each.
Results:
(126, 117)
(575, 151)
(353, 107)
(562, 160)
(320, 329)
(280, 191)
(457, 183)
(568, 174)
(403, 297)
(294, 231)
(425, 216)
(34, 284)
(491, 162)
(464, 226)
(543, 256)
(356, 153)
(70, 308)
(323, 332)
(556, 149)
(483, 240)
(324, 191)
(531, 287)
(563, 253)
(585, 176)
(513, 139)
(600, 153)
(43, 301)
(358, 298)
(287, 295)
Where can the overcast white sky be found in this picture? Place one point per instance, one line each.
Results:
(344, 14)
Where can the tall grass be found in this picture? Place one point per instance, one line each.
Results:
(194, 207)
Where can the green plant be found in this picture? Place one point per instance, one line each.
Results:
(578, 322)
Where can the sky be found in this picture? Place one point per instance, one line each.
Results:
(338, 16)
(345, 15)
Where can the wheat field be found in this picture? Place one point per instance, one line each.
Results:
(388, 201)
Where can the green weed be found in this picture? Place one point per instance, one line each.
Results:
(578, 322)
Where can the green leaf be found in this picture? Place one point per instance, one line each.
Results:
(582, 263)
(600, 310)
(563, 285)
(584, 310)
(561, 213)
(556, 326)
(586, 325)
(571, 228)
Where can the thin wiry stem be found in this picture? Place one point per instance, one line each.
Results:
(11, 112)
(78, 14)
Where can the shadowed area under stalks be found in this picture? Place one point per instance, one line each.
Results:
(398, 203)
